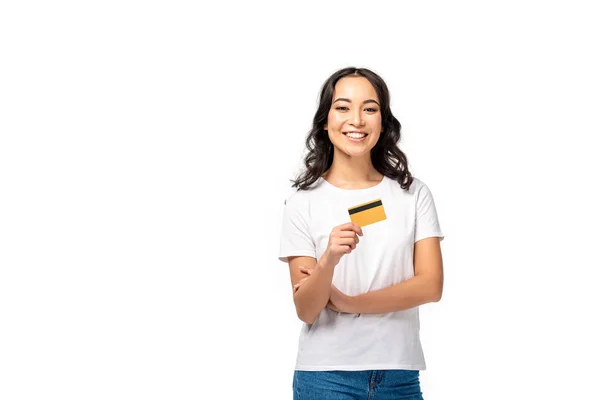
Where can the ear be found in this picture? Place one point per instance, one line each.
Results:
(325, 127)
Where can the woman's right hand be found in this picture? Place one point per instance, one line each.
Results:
(342, 240)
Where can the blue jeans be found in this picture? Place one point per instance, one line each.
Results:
(368, 385)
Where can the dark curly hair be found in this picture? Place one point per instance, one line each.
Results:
(386, 156)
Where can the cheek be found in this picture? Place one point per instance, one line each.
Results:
(376, 121)
(377, 126)
(329, 118)
(374, 138)
(334, 121)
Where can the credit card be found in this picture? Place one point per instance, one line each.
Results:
(367, 213)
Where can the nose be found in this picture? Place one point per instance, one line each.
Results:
(356, 118)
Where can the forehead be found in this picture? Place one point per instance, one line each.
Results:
(354, 87)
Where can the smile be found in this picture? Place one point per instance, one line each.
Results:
(355, 136)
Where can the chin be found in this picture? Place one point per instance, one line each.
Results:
(353, 153)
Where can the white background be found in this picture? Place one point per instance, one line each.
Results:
(146, 150)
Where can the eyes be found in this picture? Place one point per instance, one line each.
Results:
(344, 108)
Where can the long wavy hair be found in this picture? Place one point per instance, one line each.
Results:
(386, 156)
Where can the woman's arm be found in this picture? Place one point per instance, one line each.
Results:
(310, 295)
(425, 287)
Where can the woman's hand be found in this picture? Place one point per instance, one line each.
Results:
(339, 301)
(342, 240)
(306, 271)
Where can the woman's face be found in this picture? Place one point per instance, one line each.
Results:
(354, 120)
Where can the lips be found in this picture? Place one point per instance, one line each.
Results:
(355, 135)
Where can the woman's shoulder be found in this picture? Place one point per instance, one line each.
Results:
(419, 190)
(298, 198)
(303, 196)
(415, 186)
(293, 198)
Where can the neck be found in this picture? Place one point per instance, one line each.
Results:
(352, 172)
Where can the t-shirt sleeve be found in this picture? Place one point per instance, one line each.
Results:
(426, 224)
(295, 234)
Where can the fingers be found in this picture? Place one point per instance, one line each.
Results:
(350, 242)
(350, 226)
(331, 306)
(305, 270)
(348, 234)
(343, 247)
(342, 240)
(300, 282)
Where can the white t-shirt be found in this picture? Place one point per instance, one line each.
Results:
(384, 257)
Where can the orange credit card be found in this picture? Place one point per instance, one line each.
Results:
(367, 213)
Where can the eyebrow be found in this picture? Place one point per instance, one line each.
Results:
(364, 102)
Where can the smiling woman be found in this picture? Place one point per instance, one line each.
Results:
(354, 117)
(362, 241)
(354, 109)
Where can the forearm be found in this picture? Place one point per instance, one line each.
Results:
(401, 296)
(313, 295)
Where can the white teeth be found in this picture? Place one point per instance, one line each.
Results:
(355, 135)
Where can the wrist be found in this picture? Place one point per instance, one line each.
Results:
(352, 304)
(324, 261)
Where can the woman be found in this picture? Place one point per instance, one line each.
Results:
(362, 240)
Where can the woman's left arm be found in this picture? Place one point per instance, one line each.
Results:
(425, 287)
